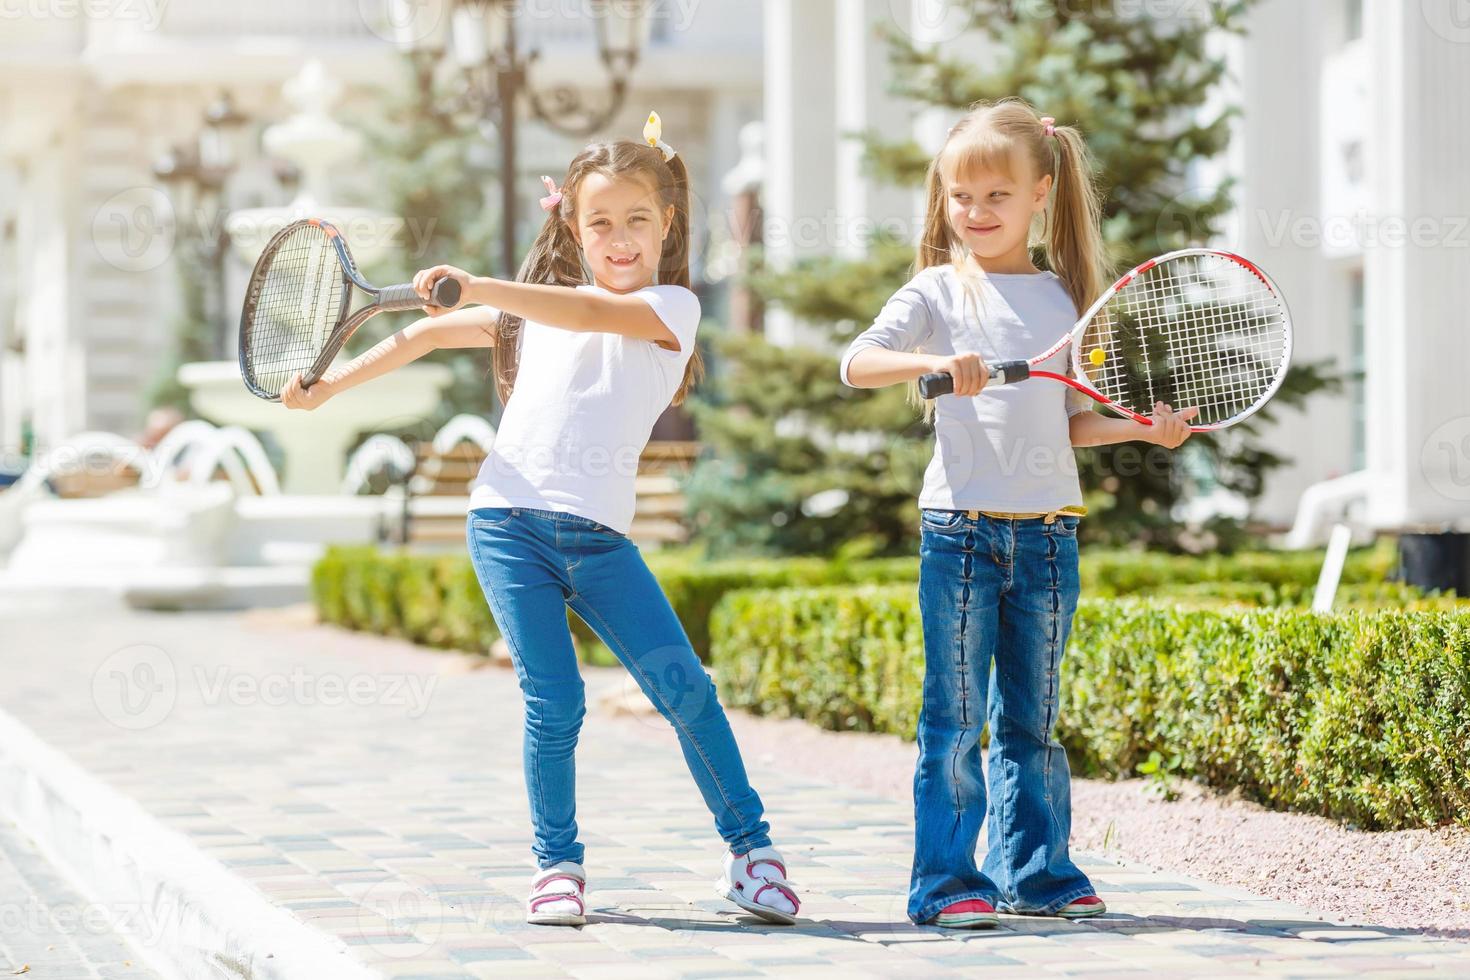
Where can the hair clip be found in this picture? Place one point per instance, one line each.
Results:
(552, 199)
(1049, 125)
(653, 130)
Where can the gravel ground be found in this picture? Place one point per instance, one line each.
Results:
(1411, 879)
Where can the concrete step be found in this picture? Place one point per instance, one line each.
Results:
(188, 915)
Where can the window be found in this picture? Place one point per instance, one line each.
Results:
(1352, 20)
(1357, 371)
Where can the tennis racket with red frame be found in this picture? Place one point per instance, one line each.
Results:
(1194, 328)
(295, 316)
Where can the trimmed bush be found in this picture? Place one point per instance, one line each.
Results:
(1363, 716)
(437, 600)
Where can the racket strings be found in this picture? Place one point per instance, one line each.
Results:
(297, 305)
(1201, 330)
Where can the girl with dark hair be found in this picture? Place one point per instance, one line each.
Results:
(593, 341)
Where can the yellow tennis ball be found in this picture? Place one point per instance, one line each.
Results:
(1097, 356)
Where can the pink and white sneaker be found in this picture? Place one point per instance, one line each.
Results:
(557, 896)
(756, 881)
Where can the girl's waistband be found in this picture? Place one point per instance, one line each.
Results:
(1049, 515)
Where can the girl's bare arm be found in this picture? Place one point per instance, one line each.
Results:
(555, 306)
(877, 367)
(1169, 430)
(471, 326)
(574, 309)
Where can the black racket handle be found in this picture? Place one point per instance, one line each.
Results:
(1004, 373)
(934, 385)
(403, 297)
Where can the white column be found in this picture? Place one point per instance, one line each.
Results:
(952, 28)
(865, 204)
(41, 142)
(1280, 214)
(1416, 281)
(800, 116)
(12, 364)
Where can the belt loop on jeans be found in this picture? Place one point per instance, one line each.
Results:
(972, 514)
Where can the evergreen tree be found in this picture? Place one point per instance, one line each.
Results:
(432, 170)
(1137, 86)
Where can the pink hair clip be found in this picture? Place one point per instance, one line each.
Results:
(1049, 125)
(552, 199)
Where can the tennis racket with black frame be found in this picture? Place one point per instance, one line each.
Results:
(295, 316)
(1198, 328)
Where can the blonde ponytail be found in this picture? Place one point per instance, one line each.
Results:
(1074, 245)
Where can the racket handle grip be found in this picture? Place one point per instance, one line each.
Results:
(1008, 372)
(403, 297)
(1004, 373)
(934, 385)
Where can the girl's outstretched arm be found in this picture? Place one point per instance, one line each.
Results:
(876, 367)
(1169, 430)
(556, 306)
(470, 327)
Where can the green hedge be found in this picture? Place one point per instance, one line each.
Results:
(1363, 716)
(1292, 574)
(436, 600)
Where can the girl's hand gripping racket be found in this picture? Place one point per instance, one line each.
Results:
(295, 316)
(1194, 328)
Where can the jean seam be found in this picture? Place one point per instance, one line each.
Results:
(1049, 698)
(672, 715)
(1052, 685)
(967, 569)
(572, 560)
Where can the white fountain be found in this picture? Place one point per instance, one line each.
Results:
(314, 443)
(208, 524)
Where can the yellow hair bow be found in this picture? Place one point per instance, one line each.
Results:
(653, 131)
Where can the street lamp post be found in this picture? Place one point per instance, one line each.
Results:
(195, 174)
(493, 72)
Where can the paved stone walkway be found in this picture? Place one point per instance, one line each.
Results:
(373, 789)
(50, 931)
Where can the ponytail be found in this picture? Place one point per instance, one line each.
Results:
(938, 244)
(554, 259)
(1074, 245)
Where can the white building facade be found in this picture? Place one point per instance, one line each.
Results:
(1352, 188)
(88, 289)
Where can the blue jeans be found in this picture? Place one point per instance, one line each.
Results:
(532, 564)
(1001, 590)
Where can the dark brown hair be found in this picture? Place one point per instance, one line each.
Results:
(556, 258)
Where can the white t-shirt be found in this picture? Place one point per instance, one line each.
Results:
(1008, 448)
(581, 411)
